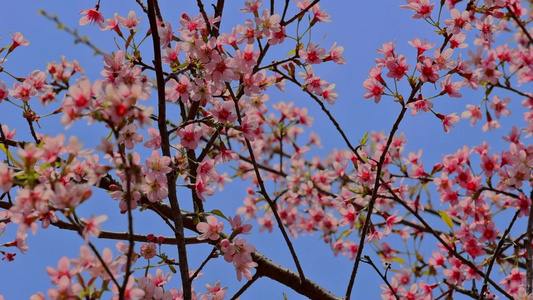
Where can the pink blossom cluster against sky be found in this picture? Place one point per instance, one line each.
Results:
(360, 27)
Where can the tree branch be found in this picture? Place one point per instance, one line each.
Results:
(165, 147)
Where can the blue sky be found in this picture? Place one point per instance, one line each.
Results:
(359, 28)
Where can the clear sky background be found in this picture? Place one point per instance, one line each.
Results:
(359, 26)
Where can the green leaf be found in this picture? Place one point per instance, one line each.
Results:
(6, 151)
(172, 269)
(365, 139)
(292, 52)
(285, 296)
(2, 233)
(398, 260)
(218, 213)
(345, 233)
(183, 65)
(446, 218)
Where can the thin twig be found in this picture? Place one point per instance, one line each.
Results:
(246, 286)
(265, 194)
(519, 22)
(529, 249)
(301, 13)
(495, 255)
(208, 258)
(79, 39)
(383, 277)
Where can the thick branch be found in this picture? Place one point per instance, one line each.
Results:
(165, 147)
(291, 279)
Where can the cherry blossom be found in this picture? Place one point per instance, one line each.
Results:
(92, 227)
(210, 229)
(91, 15)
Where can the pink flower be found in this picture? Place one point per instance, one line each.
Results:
(63, 270)
(443, 61)
(421, 105)
(129, 136)
(348, 215)
(269, 23)
(248, 31)
(473, 113)
(148, 250)
(448, 120)
(375, 90)
(373, 235)
(397, 67)
(170, 55)
(486, 28)
(220, 68)
(23, 91)
(422, 8)
(277, 37)
(215, 290)
(391, 220)
(81, 94)
(450, 88)
(112, 24)
(224, 112)
(312, 55)
(244, 269)
(499, 106)
(210, 229)
(490, 124)
(335, 54)
(92, 227)
(420, 46)
(319, 15)
(251, 6)
(459, 21)
(457, 41)
(190, 136)
(18, 40)
(203, 188)
(3, 91)
(329, 94)
(266, 223)
(131, 21)
(179, 90)
(238, 226)
(226, 155)
(428, 70)
(91, 15)
(155, 141)
(247, 58)
(159, 165)
(66, 289)
(131, 292)
(6, 177)
(206, 170)
(165, 33)
(160, 279)
(313, 83)
(156, 187)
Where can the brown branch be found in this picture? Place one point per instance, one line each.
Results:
(165, 147)
(451, 250)
(245, 286)
(301, 13)
(78, 39)
(495, 255)
(521, 25)
(265, 194)
(529, 249)
(289, 278)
